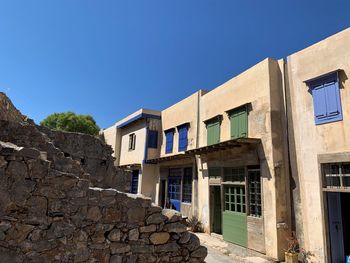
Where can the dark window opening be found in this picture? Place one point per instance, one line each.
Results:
(132, 141)
(187, 186)
(254, 184)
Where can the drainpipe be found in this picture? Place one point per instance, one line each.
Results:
(198, 117)
(285, 83)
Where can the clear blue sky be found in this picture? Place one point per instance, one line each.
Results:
(110, 58)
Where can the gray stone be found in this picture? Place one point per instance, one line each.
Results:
(29, 152)
(185, 237)
(119, 248)
(175, 227)
(3, 162)
(169, 247)
(4, 226)
(201, 252)
(156, 218)
(136, 214)
(134, 234)
(94, 214)
(142, 249)
(116, 259)
(148, 229)
(193, 243)
(114, 235)
(172, 215)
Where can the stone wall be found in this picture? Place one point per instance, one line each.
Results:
(50, 211)
(84, 154)
(47, 215)
(94, 156)
(8, 111)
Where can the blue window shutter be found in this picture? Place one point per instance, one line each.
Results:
(320, 105)
(331, 91)
(326, 97)
(183, 131)
(152, 139)
(169, 137)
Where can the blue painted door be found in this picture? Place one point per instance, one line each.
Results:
(134, 181)
(174, 192)
(335, 227)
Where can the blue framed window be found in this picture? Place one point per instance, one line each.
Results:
(152, 139)
(183, 138)
(326, 98)
(169, 140)
(134, 182)
(187, 186)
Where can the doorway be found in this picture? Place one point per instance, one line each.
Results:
(339, 225)
(216, 209)
(134, 182)
(162, 192)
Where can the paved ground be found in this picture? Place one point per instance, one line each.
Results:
(220, 251)
(214, 256)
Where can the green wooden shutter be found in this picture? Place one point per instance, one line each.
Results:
(213, 132)
(239, 123)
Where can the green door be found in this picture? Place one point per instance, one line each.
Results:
(234, 216)
(217, 224)
(239, 123)
(213, 132)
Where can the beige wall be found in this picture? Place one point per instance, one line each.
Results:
(262, 87)
(133, 156)
(310, 140)
(185, 111)
(252, 86)
(149, 178)
(110, 137)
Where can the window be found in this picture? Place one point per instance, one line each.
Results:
(336, 175)
(213, 131)
(134, 181)
(183, 131)
(214, 172)
(169, 137)
(152, 139)
(235, 199)
(132, 141)
(234, 174)
(254, 192)
(174, 186)
(187, 186)
(239, 122)
(326, 97)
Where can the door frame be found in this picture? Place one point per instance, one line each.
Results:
(212, 205)
(322, 159)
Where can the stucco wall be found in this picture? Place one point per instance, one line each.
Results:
(137, 155)
(309, 140)
(184, 111)
(252, 86)
(257, 86)
(110, 137)
(149, 179)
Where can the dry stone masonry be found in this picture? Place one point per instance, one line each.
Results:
(53, 208)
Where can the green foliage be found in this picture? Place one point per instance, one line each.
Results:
(195, 224)
(71, 122)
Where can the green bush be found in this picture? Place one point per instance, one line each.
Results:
(71, 122)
